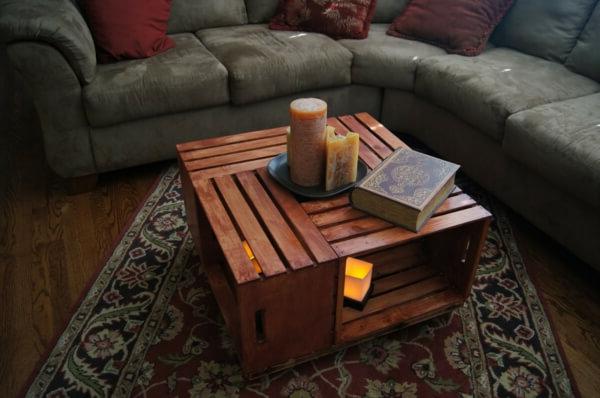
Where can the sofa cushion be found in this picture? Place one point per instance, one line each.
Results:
(385, 61)
(585, 57)
(191, 15)
(545, 28)
(387, 10)
(486, 89)
(261, 11)
(184, 78)
(561, 141)
(263, 63)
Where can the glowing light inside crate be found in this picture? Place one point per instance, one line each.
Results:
(357, 280)
(251, 257)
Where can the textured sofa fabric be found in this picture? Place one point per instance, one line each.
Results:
(57, 22)
(571, 221)
(386, 61)
(192, 15)
(57, 95)
(387, 10)
(486, 89)
(545, 28)
(148, 140)
(264, 64)
(521, 117)
(184, 78)
(561, 142)
(585, 56)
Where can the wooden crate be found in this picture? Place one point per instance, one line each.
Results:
(291, 309)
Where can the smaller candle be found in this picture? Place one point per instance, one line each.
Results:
(341, 159)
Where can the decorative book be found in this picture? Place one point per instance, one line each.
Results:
(406, 188)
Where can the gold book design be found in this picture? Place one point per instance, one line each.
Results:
(406, 188)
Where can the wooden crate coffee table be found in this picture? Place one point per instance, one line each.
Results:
(291, 309)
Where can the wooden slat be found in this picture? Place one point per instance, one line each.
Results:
(233, 158)
(397, 259)
(315, 206)
(396, 297)
(401, 316)
(394, 236)
(379, 129)
(225, 232)
(353, 228)
(233, 148)
(374, 142)
(267, 257)
(365, 153)
(298, 218)
(454, 203)
(289, 245)
(404, 278)
(336, 216)
(230, 139)
(229, 169)
(456, 191)
(351, 223)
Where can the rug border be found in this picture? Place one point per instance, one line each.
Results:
(104, 259)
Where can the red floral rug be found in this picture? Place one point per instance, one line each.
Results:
(149, 327)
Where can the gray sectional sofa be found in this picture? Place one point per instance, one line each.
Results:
(523, 118)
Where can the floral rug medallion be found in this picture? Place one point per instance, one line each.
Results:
(149, 327)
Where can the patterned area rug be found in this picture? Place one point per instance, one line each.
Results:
(149, 327)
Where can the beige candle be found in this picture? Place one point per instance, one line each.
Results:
(308, 117)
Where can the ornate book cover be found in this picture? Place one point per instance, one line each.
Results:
(406, 188)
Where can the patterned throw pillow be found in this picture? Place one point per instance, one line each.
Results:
(343, 19)
(458, 26)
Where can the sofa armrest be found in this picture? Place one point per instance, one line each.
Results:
(57, 95)
(55, 22)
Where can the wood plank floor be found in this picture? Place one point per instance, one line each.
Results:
(52, 243)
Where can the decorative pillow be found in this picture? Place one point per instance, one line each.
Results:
(458, 26)
(342, 19)
(128, 29)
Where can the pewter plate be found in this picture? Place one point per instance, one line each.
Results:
(279, 170)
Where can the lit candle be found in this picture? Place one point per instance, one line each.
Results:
(357, 281)
(251, 257)
(342, 159)
(307, 141)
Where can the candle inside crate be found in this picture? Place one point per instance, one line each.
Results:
(341, 159)
(357, 281)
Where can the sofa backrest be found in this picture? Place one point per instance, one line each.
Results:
(544, 28)
(387, 10)
(585, 57)
(192, 15)
(261, 11)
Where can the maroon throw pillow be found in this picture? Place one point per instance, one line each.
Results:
(128, 29)
(349, 19)
(458, 26)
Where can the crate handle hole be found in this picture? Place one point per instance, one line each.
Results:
(259, 325)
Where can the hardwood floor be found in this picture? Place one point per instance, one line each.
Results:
(51, 244)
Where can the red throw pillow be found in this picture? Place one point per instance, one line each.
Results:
(458, 26)
(349, 19)
(129, 29)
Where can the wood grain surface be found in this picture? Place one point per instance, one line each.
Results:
(51, 245)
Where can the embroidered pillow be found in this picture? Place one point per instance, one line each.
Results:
(128, 29)
(458, 26)
(349, 19)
